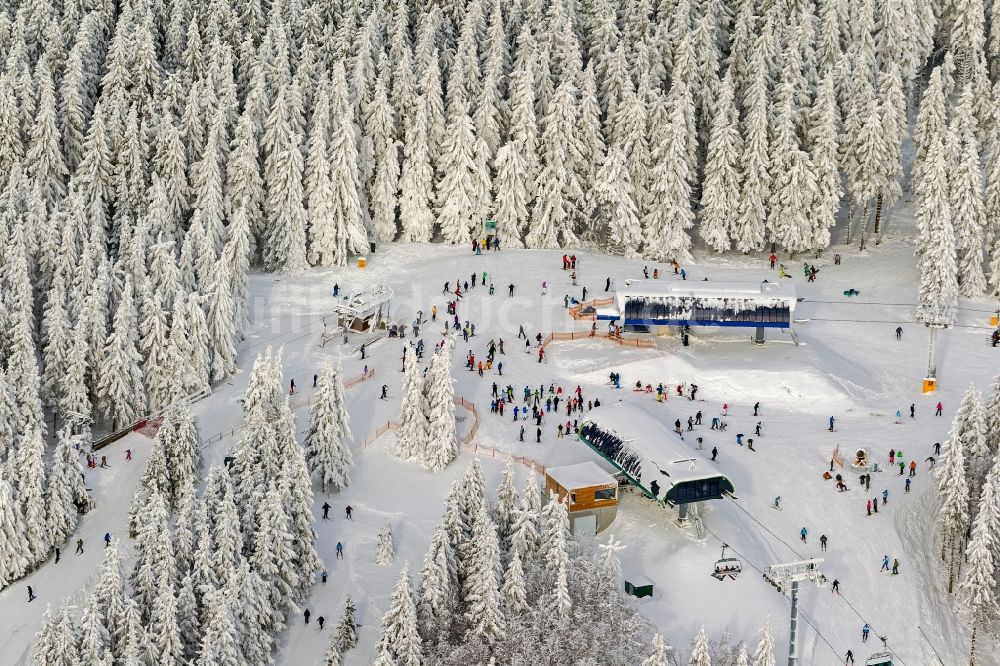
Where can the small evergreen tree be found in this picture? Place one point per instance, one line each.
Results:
(661, 652)
(700, 652)
(764, 654)
(385, 555)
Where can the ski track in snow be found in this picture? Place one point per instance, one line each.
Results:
(854, 370)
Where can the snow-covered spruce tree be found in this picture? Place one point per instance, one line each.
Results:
(170, 173)
(207, 180)
(436, 596)
(164, 630)
(560, 193)
(22, 366)
(755, 167)
(95, 639)
(55, 337)
(930, 125)
(614, 198)
(8, 419)
(285, 244)
(665, 226)
(411, 437)
(967, 206)
(513, 590)
(417, 178)
(343, 231)
(631, 135)
(155, 476)
(894, 123)
(333, 655)
(970, 426)
(182, 450)
(978, 588)
(44, 652)
(456, 189)
(296, 486)
(222, 323)
(67, 638)
(507, 503)
(227, 540)
(111, 598)
(473, 493)
(700, 652)
(823, 135)
(15, 554)
(953, 489)
(327, 451)
(441, 441)
(721, 195)
(154, 556)
(483, 615)
(380, 126)
(244, 184)
(763, 655)
(399, 642)
(555, 559)
(992, 417)
(31, 493)
(938, 289)
(236, 257)
(195, 344)
(153, 346)
(660, 654)
(44, 157)
(793, 191)
(66, 492)
(591, 135)
(120, 389)
(510, 195)
(346, 631)
(993, 206)
(221, 642)
(526, 522)
(385, 554)
(274, 558)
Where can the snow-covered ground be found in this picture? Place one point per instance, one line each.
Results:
(848, 365)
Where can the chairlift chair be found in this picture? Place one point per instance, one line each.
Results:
(880, 659)
(727, 567)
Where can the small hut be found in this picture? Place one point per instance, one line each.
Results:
(590, 492)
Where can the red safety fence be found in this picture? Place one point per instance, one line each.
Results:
(474, 430)
(604, 335)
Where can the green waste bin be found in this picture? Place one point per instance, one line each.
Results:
(372, 244)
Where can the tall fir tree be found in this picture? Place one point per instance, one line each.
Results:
(327, 438)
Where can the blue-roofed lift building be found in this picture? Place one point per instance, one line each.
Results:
(655, 305)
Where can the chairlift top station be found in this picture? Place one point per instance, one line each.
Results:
(656, 303)
(641, 447)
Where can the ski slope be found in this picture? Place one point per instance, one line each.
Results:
(848, 365)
